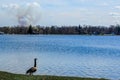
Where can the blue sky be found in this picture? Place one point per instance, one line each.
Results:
(67, 12)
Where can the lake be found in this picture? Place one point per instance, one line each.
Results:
(62, 55)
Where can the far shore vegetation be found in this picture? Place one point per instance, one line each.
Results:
(74, 30)
(11, 76)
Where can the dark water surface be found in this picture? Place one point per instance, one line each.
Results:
(64, 55)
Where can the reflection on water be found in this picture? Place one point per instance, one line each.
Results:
(83, 56)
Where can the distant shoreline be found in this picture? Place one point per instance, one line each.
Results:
(64, 30)
(63, 34)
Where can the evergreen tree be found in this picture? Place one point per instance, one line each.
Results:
(30, 30)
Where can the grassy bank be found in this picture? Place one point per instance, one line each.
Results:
(10, 76)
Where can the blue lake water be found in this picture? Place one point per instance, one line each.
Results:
(62, 55)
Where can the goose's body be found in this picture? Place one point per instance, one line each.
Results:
(32, 69)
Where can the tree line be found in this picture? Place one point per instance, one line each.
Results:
(79, 30)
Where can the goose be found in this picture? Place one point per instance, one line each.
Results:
(32, 69)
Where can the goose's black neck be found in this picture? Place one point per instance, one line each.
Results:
(35, 64)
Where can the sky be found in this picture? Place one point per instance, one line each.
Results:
(61, 12)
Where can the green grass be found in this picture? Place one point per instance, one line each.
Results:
(11, 76)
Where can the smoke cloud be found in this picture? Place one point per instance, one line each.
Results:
(25, 15)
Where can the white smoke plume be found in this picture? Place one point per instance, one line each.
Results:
(25, 15)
